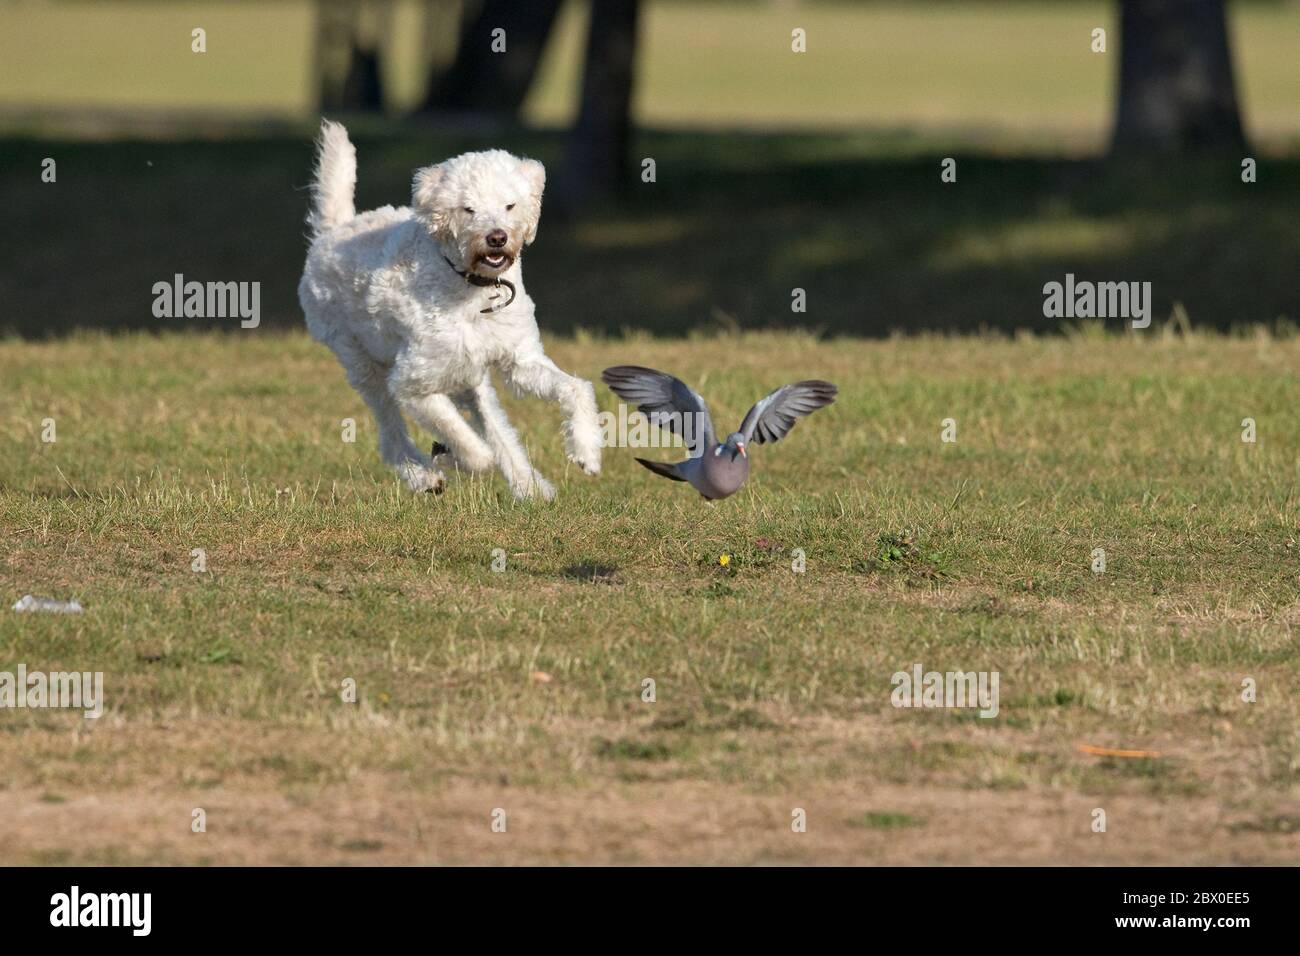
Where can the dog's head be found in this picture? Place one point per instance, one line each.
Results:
(483, 205)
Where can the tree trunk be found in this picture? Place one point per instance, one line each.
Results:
(484, 81)
(1176, 85)
(348, 69)
(596, 160)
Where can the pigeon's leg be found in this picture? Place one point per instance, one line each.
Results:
(511, 457)
(537, 375)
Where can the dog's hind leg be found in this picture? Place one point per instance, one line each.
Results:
(512, 459)
(470, 454)
(370, 379)
(439, 414)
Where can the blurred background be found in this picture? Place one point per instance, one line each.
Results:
(795, 145)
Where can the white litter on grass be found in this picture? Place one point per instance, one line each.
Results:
(29, 602)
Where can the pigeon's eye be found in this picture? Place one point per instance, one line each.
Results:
(510, 207)
(468, 210)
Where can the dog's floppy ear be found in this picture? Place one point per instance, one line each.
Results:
(425, 198)
(535, 173)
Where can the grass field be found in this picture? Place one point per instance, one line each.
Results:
(521, 689)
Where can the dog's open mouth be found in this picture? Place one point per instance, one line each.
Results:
(495, 260)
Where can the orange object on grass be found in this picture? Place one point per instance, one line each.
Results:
(1112, 752)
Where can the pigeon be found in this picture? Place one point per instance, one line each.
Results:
(715, 469)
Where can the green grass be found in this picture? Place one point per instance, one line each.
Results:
(522, 689)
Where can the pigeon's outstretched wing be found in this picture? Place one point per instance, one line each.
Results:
(667, 469)
(775, 415)
(667, 401)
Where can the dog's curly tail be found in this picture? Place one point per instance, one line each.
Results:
(336, 179)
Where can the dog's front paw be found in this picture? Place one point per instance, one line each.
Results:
(475, 461)
(588, 463)
(536, 487)
(583, 449)
(545, 490)
(422, 478)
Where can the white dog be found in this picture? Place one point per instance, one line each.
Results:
(419, 303)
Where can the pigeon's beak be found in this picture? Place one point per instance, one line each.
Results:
(740, 447)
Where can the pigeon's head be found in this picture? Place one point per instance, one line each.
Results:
(733, 446)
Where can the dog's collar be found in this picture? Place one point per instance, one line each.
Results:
(483, 282)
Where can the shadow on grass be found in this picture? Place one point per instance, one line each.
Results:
(734, 223)
(592, 573)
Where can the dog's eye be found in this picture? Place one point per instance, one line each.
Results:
(511, 206)
(468, 210)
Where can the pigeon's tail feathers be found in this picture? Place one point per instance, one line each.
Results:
(336, 179)
(665, 468)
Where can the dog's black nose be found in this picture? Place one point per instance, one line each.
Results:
(497, 238)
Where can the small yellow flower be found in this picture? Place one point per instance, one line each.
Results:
(724, 560)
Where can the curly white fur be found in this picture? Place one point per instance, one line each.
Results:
(408, 330)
